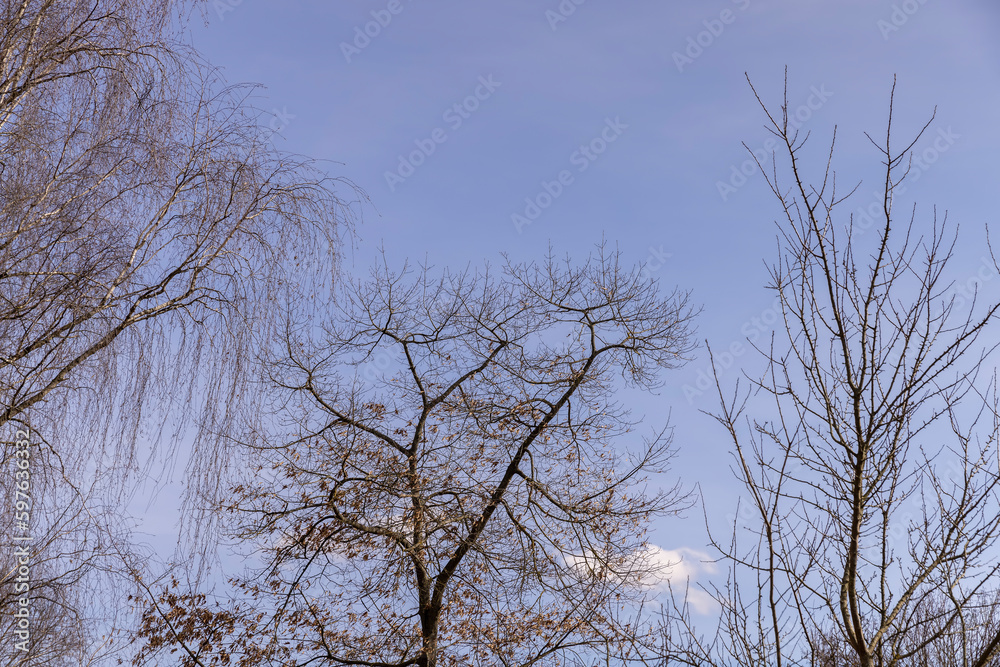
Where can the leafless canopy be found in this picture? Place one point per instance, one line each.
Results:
(873, 476)
(478, 503)
(145, 222)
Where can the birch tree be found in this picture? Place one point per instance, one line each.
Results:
(145, 222)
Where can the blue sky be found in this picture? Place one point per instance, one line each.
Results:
(658, 89)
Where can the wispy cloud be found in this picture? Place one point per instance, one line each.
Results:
(657, 569)
(680, 568)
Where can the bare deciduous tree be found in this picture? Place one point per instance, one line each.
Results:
(935, 640)
(67, 573)
(131, 192)
(873, 476)
(479, 504)
(146, 225)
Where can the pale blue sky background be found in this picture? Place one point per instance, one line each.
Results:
(655, 190)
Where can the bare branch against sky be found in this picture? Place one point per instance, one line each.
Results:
(145, 221)
(478, 504)
(872, 476)
(187, 303)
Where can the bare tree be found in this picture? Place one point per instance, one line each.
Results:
(479, 504)
(133, 190)
(873, 475)
(934, 640)
(147, 225)
(67, 573)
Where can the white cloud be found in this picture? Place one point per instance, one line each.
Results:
(664, 569)
(683, 568)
